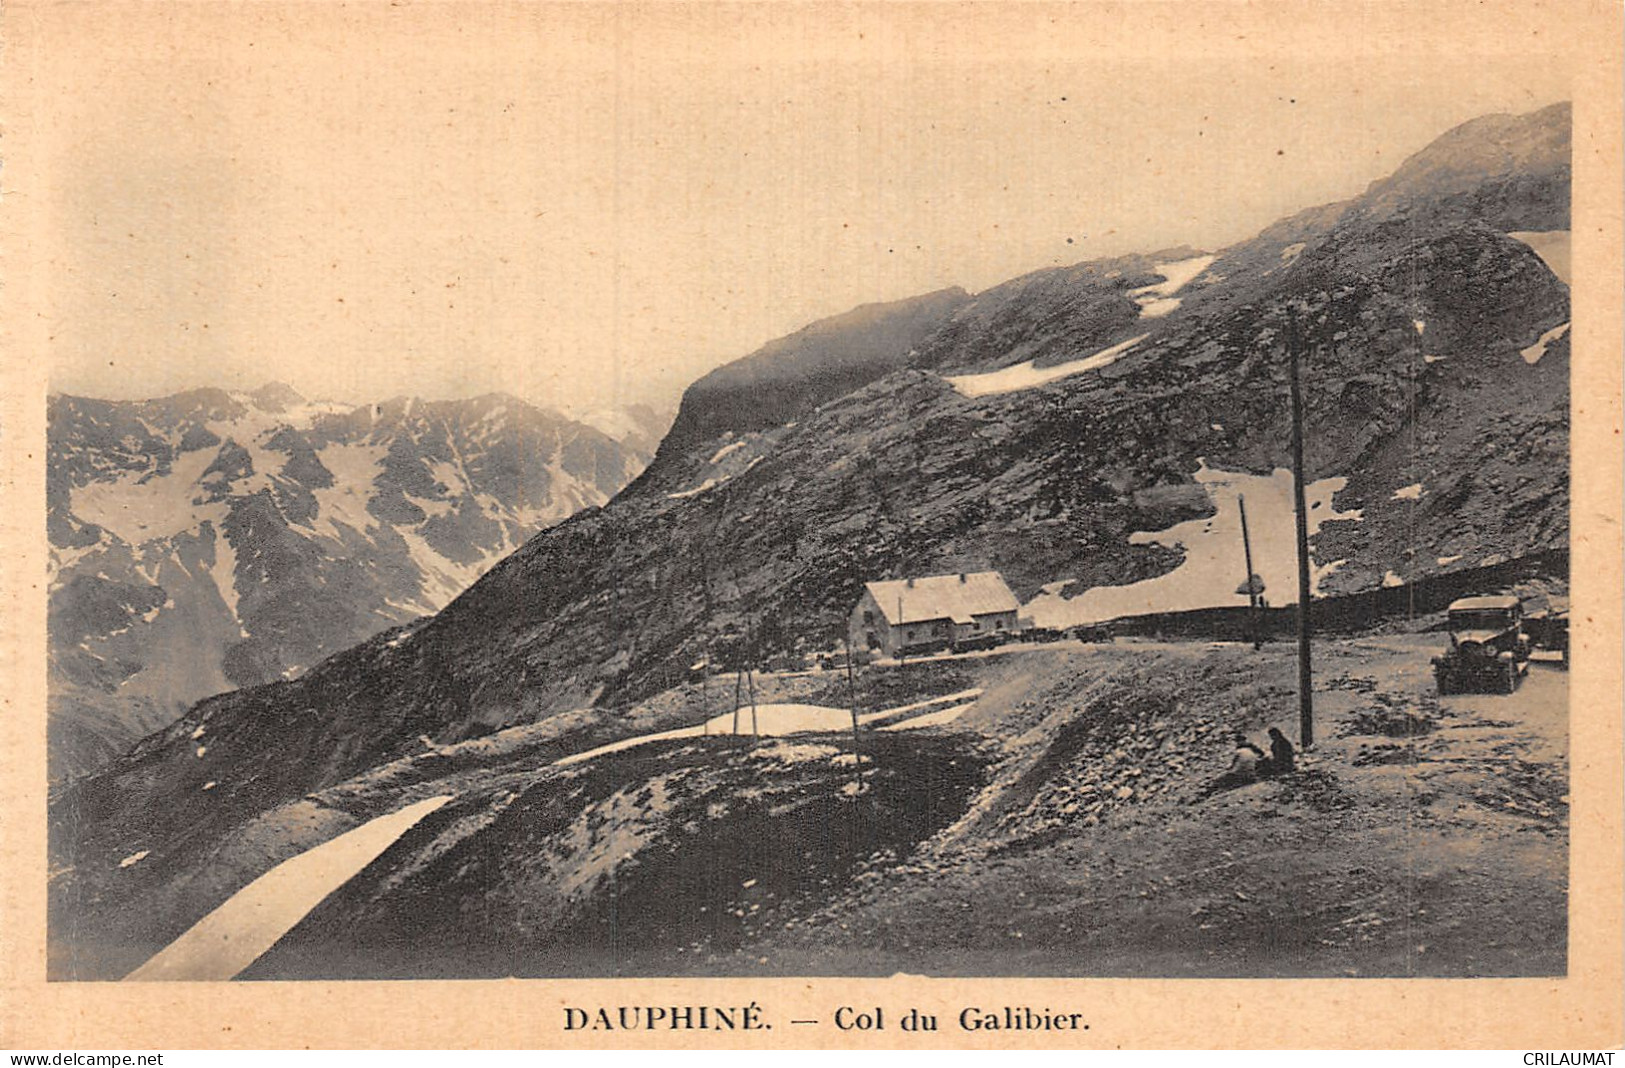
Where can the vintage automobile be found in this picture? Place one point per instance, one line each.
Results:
(1550, 631)
(1488, 650)
(979, 643)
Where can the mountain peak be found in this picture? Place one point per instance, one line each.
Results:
(826, 359)
(1509, 171)
(275, 398)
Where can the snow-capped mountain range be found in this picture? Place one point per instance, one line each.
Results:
(211, 540)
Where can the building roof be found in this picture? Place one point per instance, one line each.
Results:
(956, 597)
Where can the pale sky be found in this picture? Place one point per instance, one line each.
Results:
(591, 205)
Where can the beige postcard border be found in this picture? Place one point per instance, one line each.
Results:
(1582, 1010)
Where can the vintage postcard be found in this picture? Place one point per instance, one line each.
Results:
(826, 525)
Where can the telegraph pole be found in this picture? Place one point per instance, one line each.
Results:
(851, 691)
(739, 686)
(1252, 587)
(1306, 701)
(750, 680)
(852, 699)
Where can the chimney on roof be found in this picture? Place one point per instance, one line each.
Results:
(961, 576)
(909, 583)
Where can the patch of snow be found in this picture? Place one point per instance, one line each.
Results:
(1533, 353)
(960, 697)
(1431, 358)
(1292, 251)
(429, 506)
(1026, 376)
(1157, 307)
(1390, 580)
(726, 449)
(776, 720)
(133, 858)
(224, 569)
(1419, 324)
(354, 467)
(199, 732)
(930, 719)
(1214, 564)
(1157, 300)
(789, 753)
(443, 579)
(770, 721)
(450, 476)
(210, 785)
(1175, 276)
(1216, 426)
(237, 933)
(162, 507)
(1552, 246)
(708, 484)
(1446, 560)
(1412, 492)
(201, 750)
(711, 483)
(61, 560)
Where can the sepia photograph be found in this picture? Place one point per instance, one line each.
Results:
(612, 492)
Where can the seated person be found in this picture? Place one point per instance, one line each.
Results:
(1282, 757)
(1245, 767)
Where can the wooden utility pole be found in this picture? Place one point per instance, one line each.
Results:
(902, 643)
(851, 690)
(750, 680)
(852, 700)
(1306, 700)
(1252, 587)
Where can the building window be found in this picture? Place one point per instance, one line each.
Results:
(999, 624)
(976, 625)
(868, 618)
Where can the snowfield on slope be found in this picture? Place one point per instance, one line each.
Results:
(142, 506)
(778, 720)
(234, 935)
(1157, 299)
(1214, 562)
(1533, 353)
(1026, 376)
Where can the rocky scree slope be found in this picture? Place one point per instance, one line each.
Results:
(1451, 436)
(210, 541)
